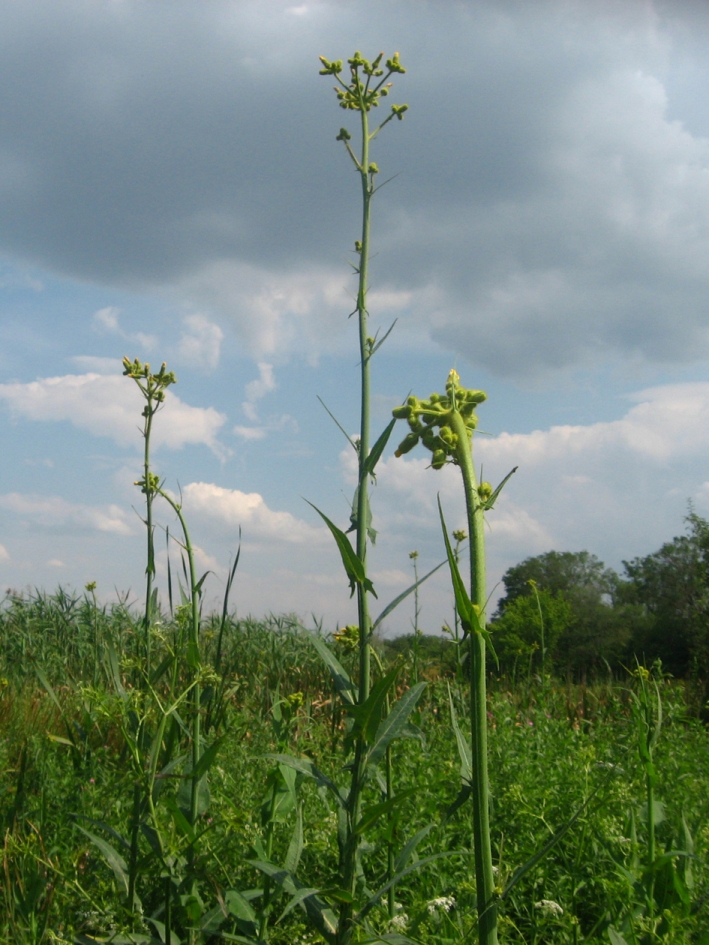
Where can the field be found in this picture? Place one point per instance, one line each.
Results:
(555, 752)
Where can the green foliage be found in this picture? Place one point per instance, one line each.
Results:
(518, 631)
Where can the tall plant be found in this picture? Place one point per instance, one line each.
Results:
(444, 424)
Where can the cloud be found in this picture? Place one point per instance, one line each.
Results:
(201, 344)
(106, 319)
(256, 390)
(568, 220)
(110, 406)
(4, 553)
(54, 511)
(233, 509)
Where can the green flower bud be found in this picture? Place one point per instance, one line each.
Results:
(401, 413)
(438, 460)
(399, 110)
(485, 490)
(407, 444)
(372, 169)
(344, 135)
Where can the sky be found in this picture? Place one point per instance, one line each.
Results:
(171, 189)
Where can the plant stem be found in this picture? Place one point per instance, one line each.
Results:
(354, 800)
(484, 879)
(150, 566)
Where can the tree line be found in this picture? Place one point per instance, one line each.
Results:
(566, 613)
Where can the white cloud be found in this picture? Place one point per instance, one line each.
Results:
(200, 345)
(54, 511)
(4, 553)
(250, 433)
(111, 406)
(257, 390)
(232, 508)
(106, 319)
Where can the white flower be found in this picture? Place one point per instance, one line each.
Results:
(549, 906)
(446, 903)
(399, 922)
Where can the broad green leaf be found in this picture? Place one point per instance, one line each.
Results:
(397, 600)
(306, 767)
(350, 560)
(340, 677)
(112, 857)
(395, 723)
(368, 716)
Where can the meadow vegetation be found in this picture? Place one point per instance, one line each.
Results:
(537, 775)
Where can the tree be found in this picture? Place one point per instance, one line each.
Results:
(587, 626)
(672, 587)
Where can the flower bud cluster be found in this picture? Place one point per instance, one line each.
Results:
(429, 420)
(153, 386)
(363, 94)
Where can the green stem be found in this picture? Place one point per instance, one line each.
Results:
(484, 878)
(150, 567)
(354, 800)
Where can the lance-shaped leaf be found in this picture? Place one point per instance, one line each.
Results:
(375, 454)
(368, 716)
(397, 600)
(394, 724)
(306, 767)
(352, 563)
(322, 917)
(395, 880)
(340, 676)
(467, 611)
(112, 857)
(490, 503)
(372, 814)
(464, 749)
(409, 848)
(295, 847)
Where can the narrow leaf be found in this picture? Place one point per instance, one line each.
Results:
(490, 503)
(372, 814)
(112, 857)
(340, 677)
(395, 723)
(368, 716)
(464, 748)
(402, 860)
(306, 767)
(320, 914)
(397, 600)
(352, 564)
(338, 424)
(395, 880)
(376, 451)
(295, 847)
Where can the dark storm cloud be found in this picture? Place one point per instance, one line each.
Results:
(548, 210)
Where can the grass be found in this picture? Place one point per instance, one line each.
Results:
(550, 748)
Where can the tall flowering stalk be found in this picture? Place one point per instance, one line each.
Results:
(444, 424)
(368, 82)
